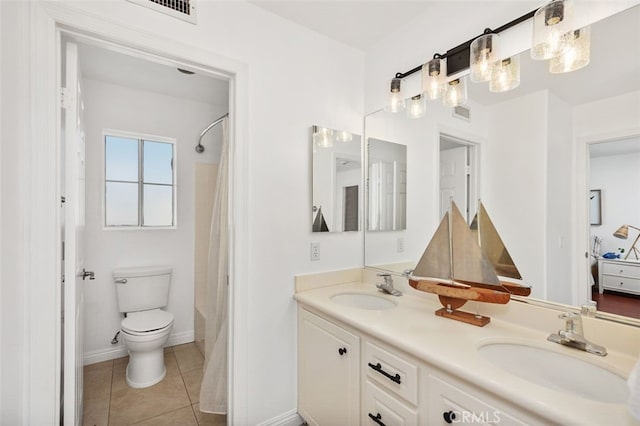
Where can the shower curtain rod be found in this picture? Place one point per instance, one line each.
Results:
(199, 147)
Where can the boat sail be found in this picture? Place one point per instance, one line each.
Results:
(496, 252)
(455, 268)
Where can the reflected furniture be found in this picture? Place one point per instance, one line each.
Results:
(619, 275)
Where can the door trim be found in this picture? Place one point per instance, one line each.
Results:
(42, 177)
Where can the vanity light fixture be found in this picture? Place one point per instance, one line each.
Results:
(417, 107)
(551, 29)
(576, 56)
(553, 37)
(623, 232)
(505, 75)
(434, 73)
(455, 93)
(483, 56)
(396, 100)
(322, 137)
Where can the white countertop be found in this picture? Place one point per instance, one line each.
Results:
(452, 346)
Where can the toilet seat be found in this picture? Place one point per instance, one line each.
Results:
(146, 322)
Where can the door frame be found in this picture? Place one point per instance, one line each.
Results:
(42, 374)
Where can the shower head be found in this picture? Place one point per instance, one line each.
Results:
(199, 148)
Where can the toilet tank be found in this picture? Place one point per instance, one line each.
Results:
(142, 288)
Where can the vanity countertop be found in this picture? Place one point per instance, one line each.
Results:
(452, 346)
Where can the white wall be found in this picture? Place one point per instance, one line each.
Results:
(293, 82)
(109, 106)
(617, 176)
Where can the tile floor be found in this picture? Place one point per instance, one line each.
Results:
(109, 401)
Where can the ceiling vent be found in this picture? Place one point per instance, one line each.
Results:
(181, 9)
(462, 112)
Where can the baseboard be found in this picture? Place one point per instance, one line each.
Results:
(290, 418)
(118, 351)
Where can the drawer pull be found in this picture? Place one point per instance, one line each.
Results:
(449, 416)
(377, 418)
(342, 351)
(379, 369)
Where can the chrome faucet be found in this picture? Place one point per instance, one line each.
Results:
(387, 286)
(572, 335)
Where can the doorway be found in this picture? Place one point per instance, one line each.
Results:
(143, 99)
(458, 179)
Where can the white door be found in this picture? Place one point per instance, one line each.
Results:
(453, 179)
(73, 234)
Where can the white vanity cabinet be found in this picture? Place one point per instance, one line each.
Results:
(619, 275)
(328, 372)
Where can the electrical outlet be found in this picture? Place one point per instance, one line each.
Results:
(315, 250)
(400, 244)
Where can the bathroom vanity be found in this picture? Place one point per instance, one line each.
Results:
(369, 358)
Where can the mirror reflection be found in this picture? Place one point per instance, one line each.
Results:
(387, 183)
(337, 173)
(532, 163)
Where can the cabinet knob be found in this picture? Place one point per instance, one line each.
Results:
(342, 351)
(449, 416)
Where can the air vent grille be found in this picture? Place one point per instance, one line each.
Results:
(462, 112)
(181, 9)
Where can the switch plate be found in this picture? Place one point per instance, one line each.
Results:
(400, 244)
(315, 250)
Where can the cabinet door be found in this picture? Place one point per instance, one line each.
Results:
(328, 373)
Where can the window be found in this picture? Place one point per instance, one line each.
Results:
(139, 181)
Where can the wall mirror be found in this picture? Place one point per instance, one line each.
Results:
(533, 161)
(336, 180)
(387, 185)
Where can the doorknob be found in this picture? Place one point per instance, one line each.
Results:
(90, 274)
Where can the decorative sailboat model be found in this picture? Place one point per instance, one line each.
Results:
(455, 267)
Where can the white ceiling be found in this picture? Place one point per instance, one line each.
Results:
(356, 23)
(125, 70)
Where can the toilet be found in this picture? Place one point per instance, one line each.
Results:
(142, 292)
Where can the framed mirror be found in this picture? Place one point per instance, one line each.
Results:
(336, 180)
(533, 160)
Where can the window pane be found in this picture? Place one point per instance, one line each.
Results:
(158, 158)
(121, 201)
(121, 159)
(158, 205)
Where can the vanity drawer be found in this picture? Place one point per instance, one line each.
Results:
(392, 372)
(619, 269)
(383, 409)
(630, 285)
(451, 405)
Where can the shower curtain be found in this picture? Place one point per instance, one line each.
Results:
(213, 392)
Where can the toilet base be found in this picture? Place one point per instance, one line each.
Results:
(145, 369)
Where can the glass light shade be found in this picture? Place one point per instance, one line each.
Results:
(576, 56)
(434, 73)
(417, 107)
(344, 136)
(323, 137)
(396, 99)
(551, 27)
(455, 93)
(505, 75)
(482, 57)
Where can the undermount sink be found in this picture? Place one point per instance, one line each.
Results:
(557, 371)
(363, 301)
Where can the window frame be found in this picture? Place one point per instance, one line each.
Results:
(140, 137)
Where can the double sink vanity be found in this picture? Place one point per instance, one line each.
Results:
(366, 357)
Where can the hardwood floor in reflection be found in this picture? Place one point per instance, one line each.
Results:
(624, 304)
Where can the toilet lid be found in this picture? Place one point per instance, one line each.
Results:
(146, 321)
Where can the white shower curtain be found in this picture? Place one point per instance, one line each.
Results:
(213, 392)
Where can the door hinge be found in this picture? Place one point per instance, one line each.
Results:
(63, 97)
(467, 170)
(62, 278)
(63, 200)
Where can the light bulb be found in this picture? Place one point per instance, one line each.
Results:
(455, 93)
(323, 137)
(551, 28)
(576, 56)
(396, 99)
(505, 75)
(482, 57)
(417, 107)
(433, 78)
(344, 136)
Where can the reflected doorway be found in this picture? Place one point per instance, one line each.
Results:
(458, 175)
